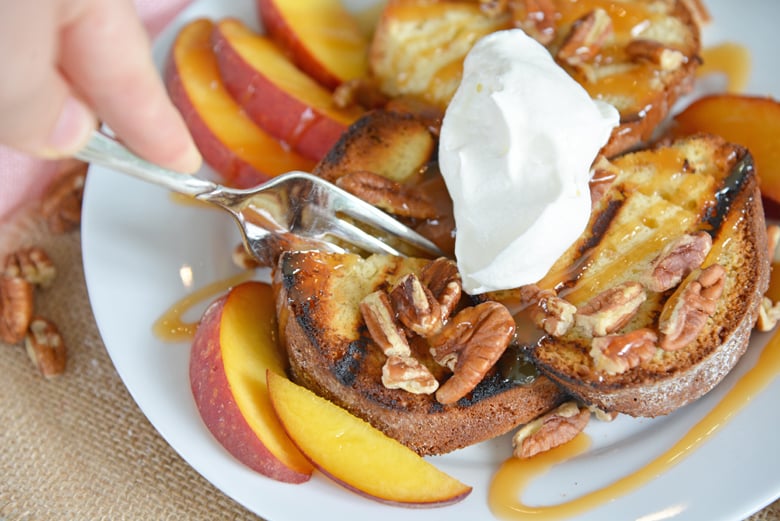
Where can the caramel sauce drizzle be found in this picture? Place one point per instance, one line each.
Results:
(515, 474)
(730, 59)
(173, 327)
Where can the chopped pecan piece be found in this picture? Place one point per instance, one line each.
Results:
(586, 37)
(387, 194)
(379, 316)
(677, 260)
(416, 307)
(32, 264)
(470, 344)
(552, 313)
(443, 280)
(359, 92)
(45, 347)
(616, 354)
(611, 309)
(407, 373)
(16, 308)
(768, 315)
(535, 17)
(655, 52)
(550, 430)
(697, 302)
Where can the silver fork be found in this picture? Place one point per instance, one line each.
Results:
(295, 210)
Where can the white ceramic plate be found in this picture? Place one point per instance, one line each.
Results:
(142, 252)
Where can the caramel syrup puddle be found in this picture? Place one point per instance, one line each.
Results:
(172, 327)
(730, 59)
(514, 474)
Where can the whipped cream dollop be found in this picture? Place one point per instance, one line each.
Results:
(516, 146)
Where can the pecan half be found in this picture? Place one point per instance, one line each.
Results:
(16, 308)
(443, 280)
(655, 52)
(697, 302)
(416, 307)
(32, 264)
(407, 373)
(616, 354)
(677, 260)
(45, 347)
(379, 316)
(535, 17)
(611, 309)
(586, 38)
(61, 204)
(470, 344)
(387, 194)
(550, 430)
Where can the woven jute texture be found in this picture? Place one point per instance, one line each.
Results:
(77, 447)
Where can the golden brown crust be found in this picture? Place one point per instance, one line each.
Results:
(331, 353)
(672, 379)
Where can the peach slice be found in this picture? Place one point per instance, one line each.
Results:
(355, 454)
(321, 37)
(228, 140)
(750, 121)
(234, 348)
(278, 96)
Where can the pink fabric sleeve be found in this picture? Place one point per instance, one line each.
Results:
(23, 178)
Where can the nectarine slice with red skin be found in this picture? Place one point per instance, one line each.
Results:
(320, 36)
(239, 150)
(357, 455)
(279, 97)
(750, 121)
(233, 349)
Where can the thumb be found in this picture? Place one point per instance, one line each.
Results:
(71, 129)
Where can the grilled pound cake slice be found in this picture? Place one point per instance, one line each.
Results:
(332, 353)
(638, 55)
(664, 287)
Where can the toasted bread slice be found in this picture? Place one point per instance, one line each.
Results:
(331, 353)
(639, 56)
(681, 234)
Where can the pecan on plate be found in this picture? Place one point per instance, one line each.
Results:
(586, 38)
(550, 430)
(16, 308)
(407, 373)
(611, 309)
(470, 344)
(387, 194)
(681, 324)
(677, 260)
(616, 354)
(32, 264)
(45, 347)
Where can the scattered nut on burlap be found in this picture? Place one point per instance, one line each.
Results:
(77, 447)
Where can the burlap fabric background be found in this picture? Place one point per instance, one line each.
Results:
(78, 447)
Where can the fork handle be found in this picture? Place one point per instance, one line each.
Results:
(106, 151)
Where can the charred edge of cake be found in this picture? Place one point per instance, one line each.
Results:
(732, 185)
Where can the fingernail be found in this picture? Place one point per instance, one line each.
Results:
(71, 131)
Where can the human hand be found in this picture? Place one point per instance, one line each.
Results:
(68, 63)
